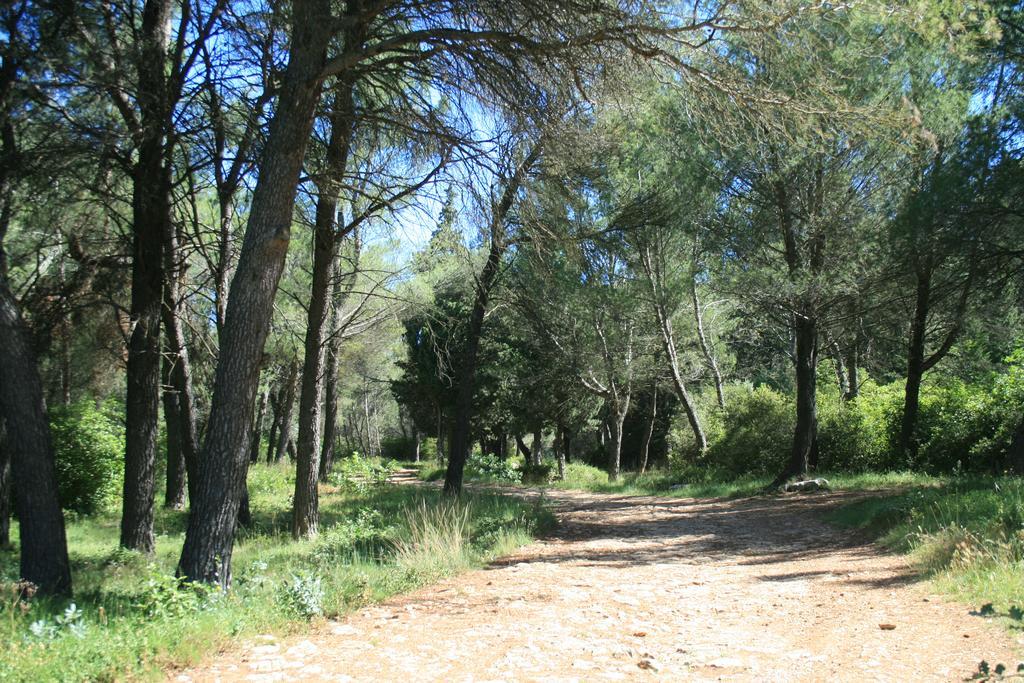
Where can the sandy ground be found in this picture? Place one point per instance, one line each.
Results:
(638, 588)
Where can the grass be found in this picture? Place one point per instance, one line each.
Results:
(130, 619)
(966, 534)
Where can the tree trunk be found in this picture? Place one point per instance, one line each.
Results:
(560, 444)
(284, 435)
(257, 429)
(5, 492)
(180, 370)
(618, 419)
(536, 453)
(151, 221)
(649, 431)
(709, 355)
(1016, 450)
(806, 434)
(276, 399)
(440, 436)
(417, 458)
(174, 491)
(44, 548)
(524, 450)
(460, 443)
(852, 375)
(328, 451)
(306, 506)
(915, 365)
(206, 554)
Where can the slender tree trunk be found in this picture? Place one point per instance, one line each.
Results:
(649, 431)
(5, 492)
(852, 375)
(257, 430)
(331, 392)
(669, 346)
(222, 276)
(150, 223)
(180, 371)
(1016, 450)
(209, 540)
(460, 443)
(915, 365)
(560, 446)
(440, 435)
(709, 354)
(306, 507)
(44, 548)
(418, 440)
(618, 419)
(284, 435)
(174, 491)
(275, 422)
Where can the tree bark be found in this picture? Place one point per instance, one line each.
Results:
(649, 431)
(524, 451)
(276, 399)
(1016, 450)
(150, 222)
(806, 434)
(915, 364)
(206, 554)
(257, 429)
(615, 424)
(668, 342)
(536, 451)
(306, 506)
(5, 492)
(44, 549)
(180, 371)
(174, 491)
(709, 355)
(284, 435)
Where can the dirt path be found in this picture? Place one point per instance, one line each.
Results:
(654, 589)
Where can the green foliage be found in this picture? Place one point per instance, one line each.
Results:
(756, 434)
(132, 617)
(89, 448)
(303, 595)
(489, 467)
(361, 474)
(968, 533)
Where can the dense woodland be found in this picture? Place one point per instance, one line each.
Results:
(710, 238)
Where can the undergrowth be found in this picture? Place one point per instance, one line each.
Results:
(131, 618)
(966, 533)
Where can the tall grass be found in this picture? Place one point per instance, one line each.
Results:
(131, 618)
(966, 533)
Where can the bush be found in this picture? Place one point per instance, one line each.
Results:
(491, 467)
(757, 433)
(360, 474)
(90, 456)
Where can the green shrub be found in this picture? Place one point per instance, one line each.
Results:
(361, 474)
(757, 432)
(89, 448)
(492, 468)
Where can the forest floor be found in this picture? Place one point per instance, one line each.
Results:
(633, 587)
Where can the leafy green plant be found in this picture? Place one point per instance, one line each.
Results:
(303, 594)
(89, 448)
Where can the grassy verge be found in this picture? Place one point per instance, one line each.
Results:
(129, 618)
(966, 534)
(698, 484)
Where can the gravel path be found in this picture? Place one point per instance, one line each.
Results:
(640, 588)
